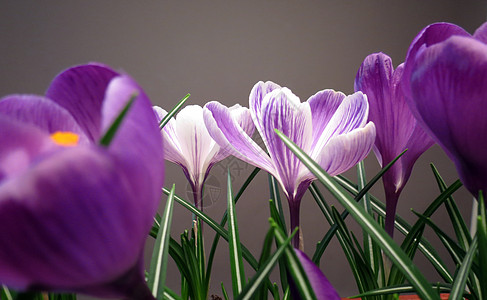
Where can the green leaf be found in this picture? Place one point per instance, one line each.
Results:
(404, 288)
(463, 273)
(274, 191)
(262, 293)
(158, 266)
(282, 262)
(7, 294)
(482, 240)
(225, 295)
(223, 222)
(294, 265)
(170, 295)
(236, 262)
(461, 231)
(215, 226)
(173, 111)
(393, 251)
(261, 275)
(107, 138)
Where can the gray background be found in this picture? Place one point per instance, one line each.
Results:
(217, 50)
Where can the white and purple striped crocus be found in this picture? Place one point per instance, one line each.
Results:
(446, 84)
(74, 215)
(188, 144)
(396, 127)
(330, 126)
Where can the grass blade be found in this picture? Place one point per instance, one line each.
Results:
(482, 240)
(236, 262)
(158, 266)
(173, 111)
(389, 247)
(112, 130)
(463, 273)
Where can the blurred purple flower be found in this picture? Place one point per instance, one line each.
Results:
(319, 283)
(74, 215)
(446, 87)
(330, 126)
(396, 127)
(188, 143)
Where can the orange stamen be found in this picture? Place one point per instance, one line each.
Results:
(65, 138)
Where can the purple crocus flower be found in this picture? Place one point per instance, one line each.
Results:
(319, 283)
(74, 215)
(330, 126)
(397, 129)
(188, 144)
(446, 84)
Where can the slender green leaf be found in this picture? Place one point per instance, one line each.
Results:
(389, 247)
(262, 293)
(482, 240)
(461, 231)
(404, 288)
(215, 226)
(404, 228)
(463, 273)
(250, 289)
(294, 265)
(107, 138)
(158, 266)
(283, 273)
(236, 262)
(7, 294)
(223, 221)
(173, 111)
(274, 191)
(225, 295)
(170, 295)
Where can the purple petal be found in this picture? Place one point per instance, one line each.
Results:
(481, 33)
(81, 90)
(21, 144)
(351, 114)
(320, 284)
(65, 222)
(41, 112)
(172, 149)
(226, 131)
(282, 110)
(257, 94)
(430, 35)
(138, 140)
(323, 105)
(449, 88)
(346, 150)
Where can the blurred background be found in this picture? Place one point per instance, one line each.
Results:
(217, 50)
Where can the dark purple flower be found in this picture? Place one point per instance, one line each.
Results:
(74, 215)
(446, 84)
(396, 127)
(319, 283)
(331, 127)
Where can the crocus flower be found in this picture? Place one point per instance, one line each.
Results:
(446, 84)
(397, 129)
(319, 283)
(188, 144)
(74, 215)
(330, 126)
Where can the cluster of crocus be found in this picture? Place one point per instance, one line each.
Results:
(74, 212)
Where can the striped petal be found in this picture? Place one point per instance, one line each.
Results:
(344, 151)
(172, 149)
(323, 105)
(231, 137)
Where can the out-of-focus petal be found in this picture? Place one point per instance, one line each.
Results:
(449, 87)
(351, 114)
(344, 151)
(65, 222)
(172, 149)
(232, 138)
(137, 142)
(282, 110)
(41, 112)
(81, 90)
(481, 33)
(321, 286)
(21, 144)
